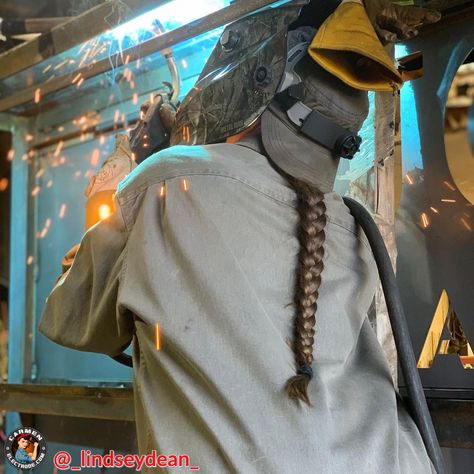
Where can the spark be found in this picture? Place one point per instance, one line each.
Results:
(184, 63)
(79, 83)
(185, 184)
(61, 64)
(434, 210)
(157, 337)
(448, 200)
(135, 98)
(132, 84)
(40, 173)
(425, 220)
(127, 59)
(10, 154)
(449, 185)
(35, 191)
(62, 160)
(95, 156)
(138, 63)
(62, 211)
(59, 148)
(37, 95)
(116, 115)
(3, 184)
(162, 191)
(104, 211)
(152, 98)
(47, 68)
(29, 260)
(409, 179)
(102, 140)
(29, 137)
(49, 183)
(76, 78)
(24, 157)
(466, 224)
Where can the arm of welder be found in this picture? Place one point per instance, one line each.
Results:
(83, 311)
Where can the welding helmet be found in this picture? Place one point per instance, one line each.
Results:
(261, 62)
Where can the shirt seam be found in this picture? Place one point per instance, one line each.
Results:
(123, 200)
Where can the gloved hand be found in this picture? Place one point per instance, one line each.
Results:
(394, 23)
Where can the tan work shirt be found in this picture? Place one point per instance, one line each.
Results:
(204, 242)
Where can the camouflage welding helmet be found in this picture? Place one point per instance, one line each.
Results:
(239, 79)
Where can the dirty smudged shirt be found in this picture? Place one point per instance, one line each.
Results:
(204, 242)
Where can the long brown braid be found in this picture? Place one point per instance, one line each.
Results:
(310, 266)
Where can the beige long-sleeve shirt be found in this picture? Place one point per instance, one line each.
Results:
(204, 243)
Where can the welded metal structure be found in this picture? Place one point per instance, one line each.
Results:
(64, 96)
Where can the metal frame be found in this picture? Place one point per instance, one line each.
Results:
(183, 33)
(72, 33)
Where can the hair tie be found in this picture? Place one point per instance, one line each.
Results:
(305, 369)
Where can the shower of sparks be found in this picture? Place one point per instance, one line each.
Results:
(59, 148)
(425, 221)
(104, 211)
(62, 211)
(35, 191)
(10, 154)
(408, 177)
(95, 157)
(434, 210)
(3, 184)
(466, 224)
(29, 260)
(37, 95)
(448, 200)
(185, 184)
(449, 185)
(157, 337)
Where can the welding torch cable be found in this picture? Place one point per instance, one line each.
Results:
(401, 334)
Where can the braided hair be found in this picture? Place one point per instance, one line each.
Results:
(312, 212)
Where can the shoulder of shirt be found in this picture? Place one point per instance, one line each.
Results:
(227, 161)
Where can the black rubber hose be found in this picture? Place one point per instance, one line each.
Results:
(416, 396)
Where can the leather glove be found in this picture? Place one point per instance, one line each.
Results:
(394, 23)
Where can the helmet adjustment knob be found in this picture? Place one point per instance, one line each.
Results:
(263, 76)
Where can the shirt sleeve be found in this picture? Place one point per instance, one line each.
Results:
(82, 312)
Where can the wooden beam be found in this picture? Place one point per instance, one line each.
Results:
(85, 402)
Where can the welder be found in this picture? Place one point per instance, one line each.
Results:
(253, 268)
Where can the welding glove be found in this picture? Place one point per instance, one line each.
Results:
(102, 186)
(347, 44)
(394, 22)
